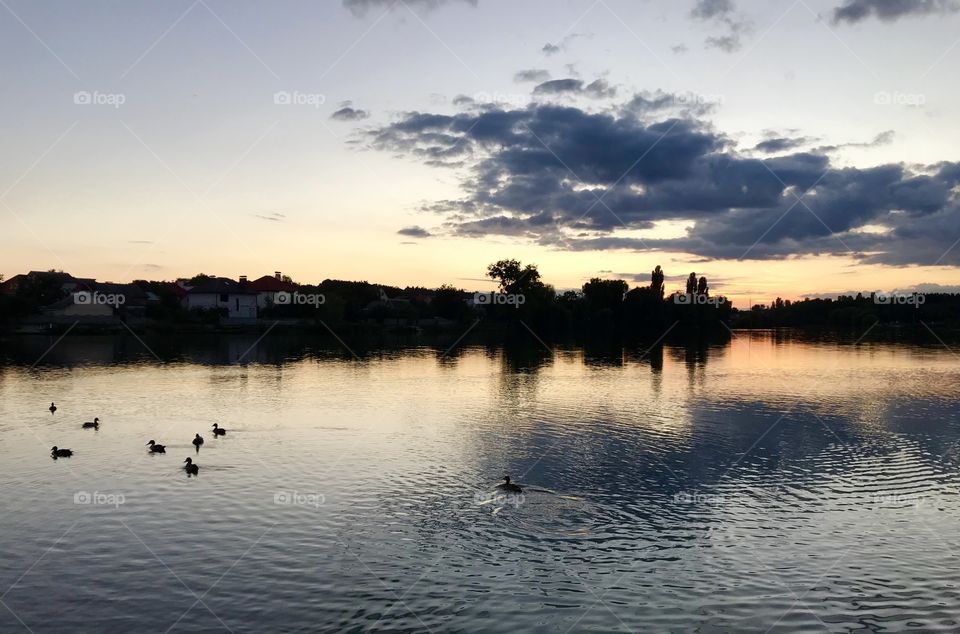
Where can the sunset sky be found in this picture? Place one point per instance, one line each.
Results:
(779, 148)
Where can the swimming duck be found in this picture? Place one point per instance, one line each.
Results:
(52, 408)
(60, 453)
(191, 468)
(506, 485)
(155, 448)
(94, 425)
(219, 431)
(197, 441)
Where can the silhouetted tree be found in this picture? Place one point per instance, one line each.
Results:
(692, 284)
(604, 294)
(513, 276)
(448, 302)
(656, 282)
(702, 288)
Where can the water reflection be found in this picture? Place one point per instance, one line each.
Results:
(769, 482)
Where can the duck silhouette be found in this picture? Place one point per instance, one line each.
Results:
(94, 425)
(191, 468)
(52, 408)
(219, 431)
(56, 452)
(155, 448)
(506, 485)
(197, 441)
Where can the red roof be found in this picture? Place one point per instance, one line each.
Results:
(270, 284)
(176, 289)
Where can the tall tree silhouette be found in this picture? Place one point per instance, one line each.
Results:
(692, 284)
(702, 288)
(656, 282)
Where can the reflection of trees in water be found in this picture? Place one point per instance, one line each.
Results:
(651, 354)
(519, 356)
(609, 354)
(517, 353)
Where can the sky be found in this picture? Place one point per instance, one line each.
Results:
(782, 149)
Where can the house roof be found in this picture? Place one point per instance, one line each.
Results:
(129, 291)
(8, 287)
(270, 284)
(175, 288)
(221, 286)
(57, 275)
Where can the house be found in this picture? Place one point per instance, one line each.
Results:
(267, 288)
(66, 282)
(239, 300)
(387, 302)
(70, 307)
(99, 300)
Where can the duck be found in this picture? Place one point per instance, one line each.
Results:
(94, 425)
(191, 468)
(219, 431)
(506, 485)
(197, 441)
(52, 408)
(155, 448)
(56, 452)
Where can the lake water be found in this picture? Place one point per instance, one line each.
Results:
(772, 483)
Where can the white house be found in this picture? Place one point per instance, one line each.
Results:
(237, 298)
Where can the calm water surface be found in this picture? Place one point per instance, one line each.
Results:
(770, 484)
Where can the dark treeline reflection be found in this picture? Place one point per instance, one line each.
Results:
(519, 353)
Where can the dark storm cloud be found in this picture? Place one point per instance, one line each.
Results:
(552, 49)
(597, 89)
(729, 43)
(359, 8)
(600, 89)
(415, 232)
(710, 9)
(853, 11)
(347, 113)
(724, 13)
(656, 103)
(538, 171)
(532, 74)
(557, 86)
(884, 138)
(779, 144)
